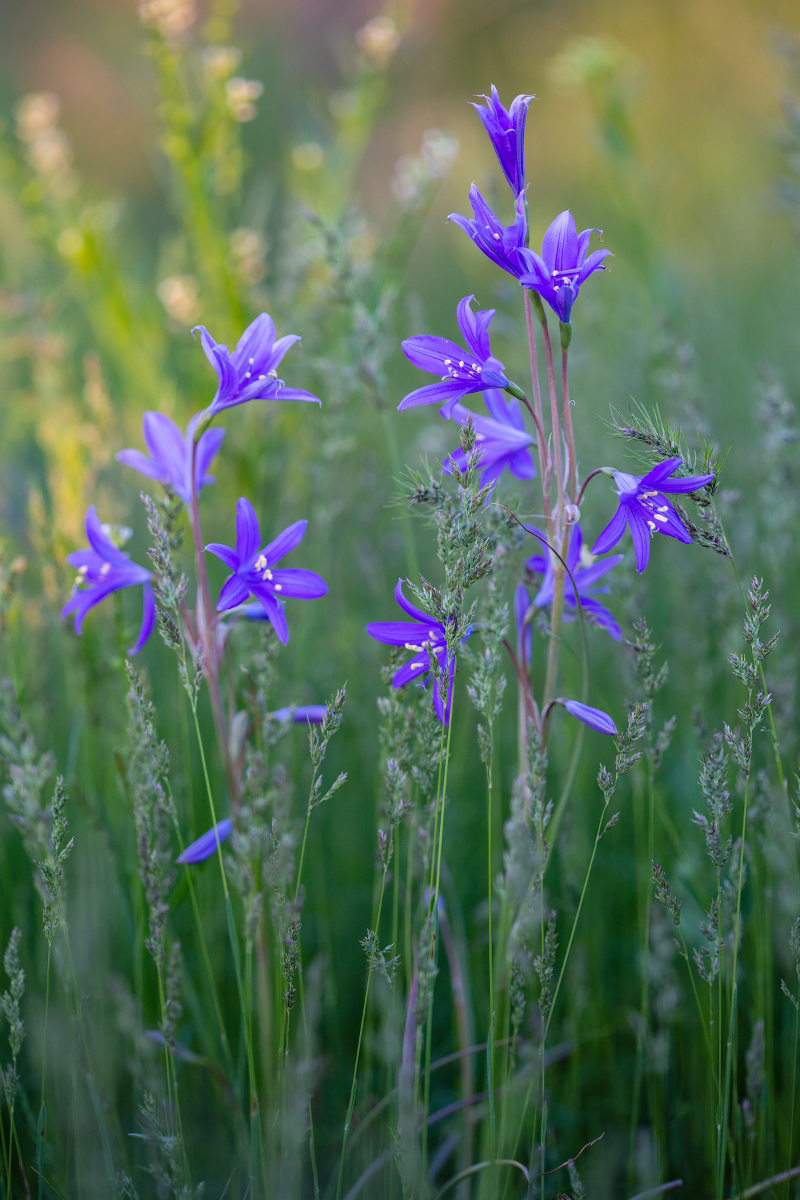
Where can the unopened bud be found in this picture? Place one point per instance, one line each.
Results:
(572, 514)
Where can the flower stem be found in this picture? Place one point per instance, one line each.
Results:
(573, 461)
(544, 466)
(352, 1101)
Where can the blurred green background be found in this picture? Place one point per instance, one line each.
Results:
(661, 124)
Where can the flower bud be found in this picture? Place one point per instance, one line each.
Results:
(572, 514)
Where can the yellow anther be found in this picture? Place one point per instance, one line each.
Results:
(260, 562)
(664, 508)
(658, 517)
(651, 524)
(267, 574)
(278, 587)
(106, 567)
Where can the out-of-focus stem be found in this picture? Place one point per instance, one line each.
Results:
(573, 462)
(206, 623)
(537, 403)
(463, 1032)
(551, 382)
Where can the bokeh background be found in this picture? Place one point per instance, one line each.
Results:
(668, 126)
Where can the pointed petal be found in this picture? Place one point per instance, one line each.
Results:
(416, 613)
(280, 348)
(398, 633)
(692, 483)
(299, 584)
(248, 534)
(165, 442)
(275, 615)
(589, 575)
(101, 542)
(446, 393)
(148, 620)
(602, 617)
(226, 553)
(595, 718)
(254, 347)
(207, 843)
(641, 536)
(280, 546)
(521, 464)
(613, 531)
(658, 475)
(141, 463)
(288, 393)
(234, 592)
(560, 243)
(415, 668)
(432, 353)
(574, 551)
(207, 449)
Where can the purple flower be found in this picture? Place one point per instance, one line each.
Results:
(502, 438)
(206, 844)
(506, 130)
(585, 577)
(426, 637)
(102, 569)
(249, 373)
(254, 572)
(595, 718)
(498, 243)
(301, 714)
(462, 371)
(643, 505)
(171, 453)
(558, 272)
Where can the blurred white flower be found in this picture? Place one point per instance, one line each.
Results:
(170, 17)
(248, 252)
(179, 295)
(220, 61)
(241, 95)
(49, 153)
(415, 173)
(36, 113)
(378, 40)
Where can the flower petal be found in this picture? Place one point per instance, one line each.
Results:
(398, 633)
(595, 718)
(234, 592)
(280, 546)
(148, 619)
(207, 843)
(226, 553)
(275, 614)
(613, 531)
(640, 534)
(296, 583)
(248, 534)
(412, 610)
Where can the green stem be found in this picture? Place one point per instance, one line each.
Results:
(46, 1013)
(489, 890)
(794, 1088)
(352, 1101)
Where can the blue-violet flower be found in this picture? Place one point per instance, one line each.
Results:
(462, 371)
(643, 505)
(254, 569)
(506, 130)
(559, 271)
(426, 637)
(501, 437)
(171, 452)
(595, 718)
(585, 576)
(250, 371)
(498, 242)
(206, 844)
(103, 569)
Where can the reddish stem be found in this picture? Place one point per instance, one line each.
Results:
(573, 462)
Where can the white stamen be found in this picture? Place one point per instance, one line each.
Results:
(651, 524)
(461, 363)
(496, 236)
(260, 562)
(106, 567)
(278, 587)
(659, 517)
(251, 361)
(664, 508)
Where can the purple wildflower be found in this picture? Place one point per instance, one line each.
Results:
(506, 130)
(250, 371)
(498, 243)
(639, 507)
(254, 569)
(462, 371)
(426, 637)
(585, 577)
(595, 718)
(301, 714)
(559, 271)
(102, 569)
(171, 452)
(206, 844)
(501, 437)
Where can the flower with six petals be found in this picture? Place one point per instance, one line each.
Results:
(255, 571)
(102, 570)
(559, 271)
(250, 371)
(502, 438)
(643, 505)
(462, 371)
(498, 242)
(171, 453)
(426, 637)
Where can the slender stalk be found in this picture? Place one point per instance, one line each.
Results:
(489, 889)
(565, 401)
(544, 465)
(352, 1101)
(551, 382)
(46, 1012)
(794, 1091)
